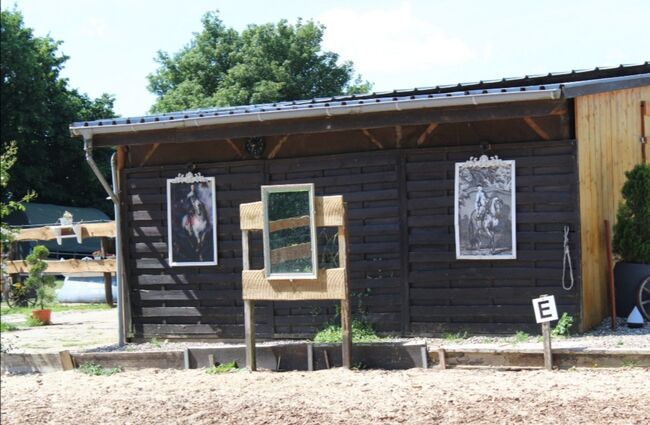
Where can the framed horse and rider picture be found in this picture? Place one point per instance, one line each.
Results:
(484, 209)
(191, 220)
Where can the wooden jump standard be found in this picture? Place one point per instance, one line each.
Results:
(331, 284)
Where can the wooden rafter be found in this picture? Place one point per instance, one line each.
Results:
(536, 128)
(398, 135)
(277, 147)
(372, 138)
(423, 137)
(235, 148)
(153, 149)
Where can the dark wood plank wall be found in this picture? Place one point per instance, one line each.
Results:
(189, 301)
(404, 278)
(448, 295)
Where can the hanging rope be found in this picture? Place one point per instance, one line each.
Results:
(567, 259)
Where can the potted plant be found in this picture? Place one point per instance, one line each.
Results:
(42, 284)
(631, 241)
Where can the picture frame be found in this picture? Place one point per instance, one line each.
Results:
(289, 232)
(484, 209)
(191, 220)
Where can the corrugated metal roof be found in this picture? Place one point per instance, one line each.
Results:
(628, 75)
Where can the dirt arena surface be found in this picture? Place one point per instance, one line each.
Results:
(337, 396)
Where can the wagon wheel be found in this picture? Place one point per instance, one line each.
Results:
(643, 298)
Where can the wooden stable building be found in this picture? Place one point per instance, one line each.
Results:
(392, 156)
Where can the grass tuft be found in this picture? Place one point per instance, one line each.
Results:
(7, 327)
(94, 369)
(454, 337)
(222, 368)
(361, 332)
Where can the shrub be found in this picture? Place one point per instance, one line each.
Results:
(631, 239)
(37, 280)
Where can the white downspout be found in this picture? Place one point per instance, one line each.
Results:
(112, 193)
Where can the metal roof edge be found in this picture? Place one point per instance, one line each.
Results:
(583, 88)
(322, 111)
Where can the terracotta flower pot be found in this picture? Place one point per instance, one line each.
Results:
(42, 316)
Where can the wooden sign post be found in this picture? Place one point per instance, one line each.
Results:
(330, 284)
(545, 313)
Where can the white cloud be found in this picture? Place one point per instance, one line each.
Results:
(385, 43)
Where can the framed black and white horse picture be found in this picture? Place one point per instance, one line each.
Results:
(191, 220)
(484, 209)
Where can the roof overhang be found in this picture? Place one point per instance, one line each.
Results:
(322, 111)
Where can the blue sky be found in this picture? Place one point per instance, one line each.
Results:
(394, 44)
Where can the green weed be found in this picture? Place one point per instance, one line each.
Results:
(455, 337)
(361, 332)
(563, 325)
(94, 369)
(32, 321)
(520, 336)
(7, 327)
(222, 368)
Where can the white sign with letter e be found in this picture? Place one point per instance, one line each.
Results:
(545, 310)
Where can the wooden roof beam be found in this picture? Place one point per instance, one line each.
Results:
(235, 148)
(277, 147)
(372, 138)
(423, 137)
(536, 128)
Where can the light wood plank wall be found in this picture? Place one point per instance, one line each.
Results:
(608, 128)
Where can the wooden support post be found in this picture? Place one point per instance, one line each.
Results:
(108, 281)
(425, 357)
(644, 138)
(346, 319)
(548, 353)
(327, 358)
(186, 358)
(249, 311)
(310, 356)
(346, 334)
(211, 361)
(442, 359)
(249, 334)
(66, 360)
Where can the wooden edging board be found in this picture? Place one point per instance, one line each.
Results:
(311, 356)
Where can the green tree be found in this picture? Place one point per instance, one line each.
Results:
(7, 161)
(36, 108)
(265, 63)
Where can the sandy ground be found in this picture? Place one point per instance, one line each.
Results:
(334, 396)
(70, 330)
(97, 330)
